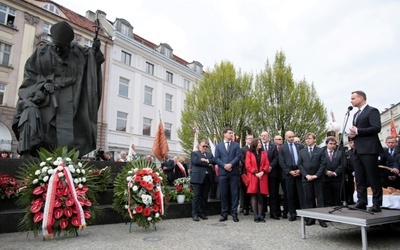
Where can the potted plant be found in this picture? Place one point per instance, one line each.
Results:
(182, 189)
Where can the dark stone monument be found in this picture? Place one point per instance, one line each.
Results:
(60, 95)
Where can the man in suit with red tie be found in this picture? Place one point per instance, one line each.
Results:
(367, 147)
(227, 156)
(333, 172)
(201, 177)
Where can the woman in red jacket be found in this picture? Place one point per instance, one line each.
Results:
(257, 166)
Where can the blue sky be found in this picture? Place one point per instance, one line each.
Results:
(339, 46)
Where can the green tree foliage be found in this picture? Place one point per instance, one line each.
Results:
(285, 104)
(223, 98)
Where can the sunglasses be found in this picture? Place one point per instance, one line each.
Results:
(204, 146)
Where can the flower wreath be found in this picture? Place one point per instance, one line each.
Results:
(60, 194)
(139, 192)
(9, 186)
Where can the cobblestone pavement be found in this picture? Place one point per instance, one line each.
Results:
(211, 234)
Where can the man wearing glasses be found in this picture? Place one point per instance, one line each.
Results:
(202, 175)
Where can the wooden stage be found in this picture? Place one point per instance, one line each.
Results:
(351, 217)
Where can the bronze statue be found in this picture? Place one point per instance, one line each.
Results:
(67, 79)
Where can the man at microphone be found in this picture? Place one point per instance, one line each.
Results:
(366, 126)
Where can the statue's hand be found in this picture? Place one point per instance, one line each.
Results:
(49, 86)
(96, 44)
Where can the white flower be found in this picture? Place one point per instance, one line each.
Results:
(128, 178)
(60, 174)
(157, 215)
(133, 211)
(126, 206)
(60, 168)
(78, 171)
(46, 178)
(55, 163)
(72, 170)
(148, 179)
(37, 172)
(42, 163)
(35, 181)
(130, 172)
(149, 218)
(135, 170)
(84, 179)
(76, 181)
(49, 159)
(83, 171)
(59, 159)
(80, 179)
(67, 159)
(44, 170)
(79, 164)
(50, 171)
(160, 178)
(80, 186)
(146, 199)
(135, 188)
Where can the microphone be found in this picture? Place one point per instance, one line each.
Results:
(350, 108)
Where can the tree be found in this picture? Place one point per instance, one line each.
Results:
(223, 98)
(287, 105)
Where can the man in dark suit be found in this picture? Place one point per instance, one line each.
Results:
(201, 177)
(334, 171)
(227, 156)
(365, 130)
(312, 167)
(274, 176)
(168, 167)
(244, 197)
(386, 158)
(288, 158)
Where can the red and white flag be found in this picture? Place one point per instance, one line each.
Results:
(160, 145)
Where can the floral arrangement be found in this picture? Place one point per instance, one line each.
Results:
(9, 186)
(139, 191)
(60, 193)
(182, 187)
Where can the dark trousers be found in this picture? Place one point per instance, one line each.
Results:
(274, 197)
(294, 189)
(285, 199)
(332, 193)
(313, 190)
(367, 170)
(229, 189)
(200, 197)
(244, 196)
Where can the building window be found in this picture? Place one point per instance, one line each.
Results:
(124, 29)
(186, 84)
(52, 8)
(7, 15)
(122, 119)
(125, 58)
(46, 31)
(5, 52)
(148, 95)
(167, 130)
(169, 77)
(123, 87)
(88, 43)
(2, 93)
(168, 102)
(146, 126)
(149, 68)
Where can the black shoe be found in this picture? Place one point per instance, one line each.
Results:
(322, 223)
(262, 220)
(256, 219)
(223, 218)
(310, 222)
(204, 217)
(235, 219)
(195, 218)
(292, 218)
(360, 205)
(245, 212)
(375, 209)
(284, 216)
(275, 217)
